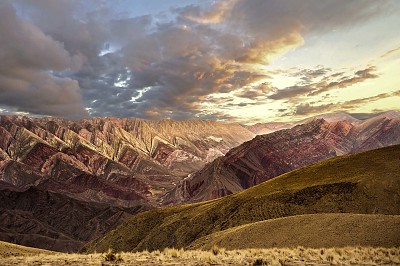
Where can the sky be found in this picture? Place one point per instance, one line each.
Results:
(245, 61)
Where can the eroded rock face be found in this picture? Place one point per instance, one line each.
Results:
(63, 183)
(267, 156)
(148, 156)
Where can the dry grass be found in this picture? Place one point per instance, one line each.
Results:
(280, 257)
(12, 250)
(311, 231)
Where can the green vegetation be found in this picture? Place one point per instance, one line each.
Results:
(367, 183)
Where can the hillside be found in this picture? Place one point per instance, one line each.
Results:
(366, 183)
(312, 231)
(52, 221)
(268, 156)
(12, 250)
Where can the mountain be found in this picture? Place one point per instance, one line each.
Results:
(266, 128)
(270, 127)
(331, 117)
(364, 183)
(268, 156)
(100, 171)
(110, 160)
(63, 183)
(337, 229)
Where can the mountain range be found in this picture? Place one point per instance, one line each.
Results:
(270, 155)
(64, 183)
(364, 183)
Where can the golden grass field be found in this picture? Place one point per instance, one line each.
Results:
(219, 256)
(312, 230)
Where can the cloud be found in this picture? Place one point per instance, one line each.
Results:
(328, 82)
(215, 14)
(28, 60)
(391, 52)
(309, 109)
(306, 108)
(81, 54)
(255, 92)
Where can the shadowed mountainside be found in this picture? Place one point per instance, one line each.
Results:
(53, 221)
(365, 183)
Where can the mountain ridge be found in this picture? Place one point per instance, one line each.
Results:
(267, 156)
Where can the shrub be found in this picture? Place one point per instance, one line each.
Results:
(110, 256)
(215, 250)
(260, 262)
(172, 252)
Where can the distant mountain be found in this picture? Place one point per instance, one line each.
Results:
(110, 160)
(267, 156)
(266, 128)
(332, 117)
(364, 183)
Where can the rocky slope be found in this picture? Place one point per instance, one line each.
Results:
(267, 156)
(124, 161)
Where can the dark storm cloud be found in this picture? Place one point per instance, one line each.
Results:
(27, 59)
(155, 67)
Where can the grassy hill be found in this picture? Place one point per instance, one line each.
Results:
(367, 183)
(312, 231)
(12, 250)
